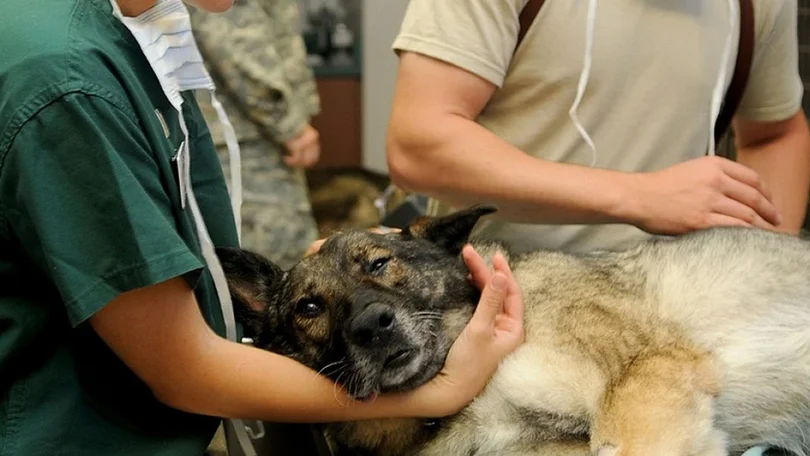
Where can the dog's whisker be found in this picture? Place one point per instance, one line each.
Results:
(427, 314)
(335, 388)
(336, 363)
(336, 371)
(351, 383)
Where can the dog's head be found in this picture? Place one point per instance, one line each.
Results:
(374, 312)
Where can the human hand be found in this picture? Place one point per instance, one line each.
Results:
(494, 331)
(304, 150)
(701, 193)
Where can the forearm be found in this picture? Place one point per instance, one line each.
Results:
(161, 335)
(783, 163)
(238, 381)
(454, 159)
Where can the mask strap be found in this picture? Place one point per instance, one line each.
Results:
(217, 275)
(583, 79)
(720, 84)
(234, 162)
(116, 10)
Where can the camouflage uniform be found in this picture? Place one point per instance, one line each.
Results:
(257, 57)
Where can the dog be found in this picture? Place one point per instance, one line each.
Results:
(694, 345)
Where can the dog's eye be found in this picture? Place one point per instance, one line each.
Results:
(377, 265)
(308, 308)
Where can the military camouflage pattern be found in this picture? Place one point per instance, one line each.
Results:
(256, 56)
(276, 213)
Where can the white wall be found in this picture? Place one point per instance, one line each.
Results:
(381, 22)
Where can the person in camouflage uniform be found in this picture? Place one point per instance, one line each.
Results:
(256, 55)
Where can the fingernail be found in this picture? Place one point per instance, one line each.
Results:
(499, 282)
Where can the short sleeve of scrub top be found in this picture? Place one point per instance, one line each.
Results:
(86, 202)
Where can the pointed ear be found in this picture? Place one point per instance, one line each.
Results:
(252, 281)
(451, 231)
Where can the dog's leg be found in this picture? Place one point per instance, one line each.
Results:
(662, 405)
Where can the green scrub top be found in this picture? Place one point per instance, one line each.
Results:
(90, 208)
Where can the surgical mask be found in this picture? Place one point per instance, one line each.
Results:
(717, 92)
(166, 40)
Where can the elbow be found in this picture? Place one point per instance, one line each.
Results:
(183, 398)
(410, 162)
(401, 169)
(180, 385)
(171, 395)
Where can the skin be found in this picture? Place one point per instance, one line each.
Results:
(778, 151)
(304, 150)
(433, 132)
(160, 334)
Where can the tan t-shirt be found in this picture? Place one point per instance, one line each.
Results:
(655, 64)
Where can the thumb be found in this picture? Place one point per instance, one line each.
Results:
(492, 299)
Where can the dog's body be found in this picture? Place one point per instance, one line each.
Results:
(698, 345)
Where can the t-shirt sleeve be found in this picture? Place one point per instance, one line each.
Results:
(774, 90)
(476, 35)
(84, 200)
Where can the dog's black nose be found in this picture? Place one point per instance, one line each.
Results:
(372, 326)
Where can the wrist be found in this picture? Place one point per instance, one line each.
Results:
(427, 401)
(626, 205)
(436, 399)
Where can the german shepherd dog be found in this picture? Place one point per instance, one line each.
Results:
(697, 345)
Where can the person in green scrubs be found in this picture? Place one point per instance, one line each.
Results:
(112, 340)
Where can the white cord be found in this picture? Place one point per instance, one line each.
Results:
(583, 79)
(720, 85)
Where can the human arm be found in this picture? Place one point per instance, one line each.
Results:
(780, 153)
(90, 202)
(159, 333)
(436, 147)
(770, 127)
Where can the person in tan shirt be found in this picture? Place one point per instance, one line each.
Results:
(475, 120)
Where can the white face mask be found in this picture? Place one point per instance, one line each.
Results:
(164, 35)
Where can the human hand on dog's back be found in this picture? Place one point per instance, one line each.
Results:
(701, 193)
(442, 143)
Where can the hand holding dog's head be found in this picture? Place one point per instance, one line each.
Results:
(376, 312)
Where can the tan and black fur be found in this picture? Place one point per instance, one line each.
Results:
(692, 346)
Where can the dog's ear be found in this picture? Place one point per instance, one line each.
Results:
(451, 231)
(252, 281)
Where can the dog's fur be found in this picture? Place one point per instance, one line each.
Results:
(695, 345)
